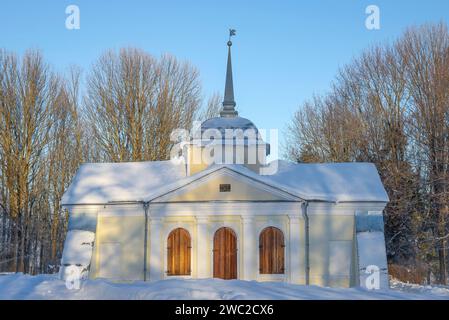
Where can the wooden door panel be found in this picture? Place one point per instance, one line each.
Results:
(178, 252)
(271, 251)
(225, 254)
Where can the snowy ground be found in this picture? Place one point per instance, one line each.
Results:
(19, 286)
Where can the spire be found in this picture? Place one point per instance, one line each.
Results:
(228, 110)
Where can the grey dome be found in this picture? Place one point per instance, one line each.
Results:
(222, 123)
(234, 123)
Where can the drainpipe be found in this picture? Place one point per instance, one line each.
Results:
(305, 205)
(146, 206)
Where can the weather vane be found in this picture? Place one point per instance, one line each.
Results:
(231, 33)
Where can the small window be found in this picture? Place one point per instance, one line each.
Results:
(225, 187)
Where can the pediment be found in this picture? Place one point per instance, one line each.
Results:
(225, 185)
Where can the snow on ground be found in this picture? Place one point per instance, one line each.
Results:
(416, 288)
(19, 286)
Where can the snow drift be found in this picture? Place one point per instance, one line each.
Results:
(19, 286)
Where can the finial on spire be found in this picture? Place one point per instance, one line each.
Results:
(228, 101)
(231, 33)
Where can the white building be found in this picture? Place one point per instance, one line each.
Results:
(228, 216)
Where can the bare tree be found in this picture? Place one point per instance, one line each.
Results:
(39, 141)
(425, 53)
(28, 95)
(212, 108)
(132, 104)
(134, 101)
(390, 106)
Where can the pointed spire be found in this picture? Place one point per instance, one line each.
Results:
(228, 101)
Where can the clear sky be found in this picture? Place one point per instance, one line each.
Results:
(284, 51)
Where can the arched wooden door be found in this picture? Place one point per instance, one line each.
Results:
(271, 251)
(225, 254)
(178, 253)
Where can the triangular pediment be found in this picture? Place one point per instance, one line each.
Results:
(225, 185)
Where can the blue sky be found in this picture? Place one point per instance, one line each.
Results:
(284, 51)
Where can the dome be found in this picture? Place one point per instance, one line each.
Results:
(238, 125)
(222, 123)
(233, 123)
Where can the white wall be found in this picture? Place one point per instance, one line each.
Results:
(120, 230)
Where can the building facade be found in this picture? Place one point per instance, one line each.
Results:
(222, 211)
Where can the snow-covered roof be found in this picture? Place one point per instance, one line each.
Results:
(349, 181)
(145, 181)
(99, 183)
